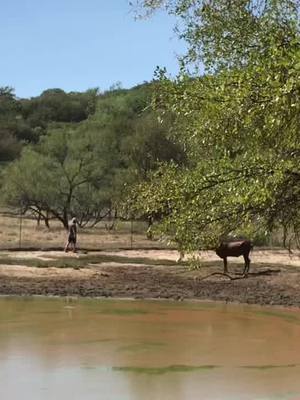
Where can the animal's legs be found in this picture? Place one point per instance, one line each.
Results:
(247, 264)
(225, 265)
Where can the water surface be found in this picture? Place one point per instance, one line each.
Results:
(52, 349)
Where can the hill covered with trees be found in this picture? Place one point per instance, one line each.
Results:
(77, 153)
(23, 121)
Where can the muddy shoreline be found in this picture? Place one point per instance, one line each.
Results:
(269, 283)
(162, 286)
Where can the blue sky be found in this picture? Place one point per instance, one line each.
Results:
(79, 44)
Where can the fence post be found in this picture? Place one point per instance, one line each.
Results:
(20, 229)
(131, 233)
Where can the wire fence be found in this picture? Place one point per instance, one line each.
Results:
(19, 231)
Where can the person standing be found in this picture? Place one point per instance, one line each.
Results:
(72, 236)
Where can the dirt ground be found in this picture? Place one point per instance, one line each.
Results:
(274, 277)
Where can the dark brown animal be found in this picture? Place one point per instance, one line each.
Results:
(235, 249)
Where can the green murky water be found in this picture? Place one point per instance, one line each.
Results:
(52, 349)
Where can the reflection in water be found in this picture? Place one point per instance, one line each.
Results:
(135, 350)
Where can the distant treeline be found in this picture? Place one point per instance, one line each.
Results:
(23, 121)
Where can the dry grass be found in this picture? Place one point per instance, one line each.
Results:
(27, 234)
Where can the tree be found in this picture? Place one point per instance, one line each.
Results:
(24, 121)
(55, 105)
(227, 33)
(9, 111)
(134, 142)
(10, 148)
(85, 168)
(239, 123)
(61, 176)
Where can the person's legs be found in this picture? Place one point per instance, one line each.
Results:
(73, 245)
(67, 246)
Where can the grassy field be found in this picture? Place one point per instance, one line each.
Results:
(16, 233)
(25, 233)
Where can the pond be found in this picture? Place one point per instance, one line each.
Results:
(146, 350)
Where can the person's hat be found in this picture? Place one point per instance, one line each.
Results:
(73, 220)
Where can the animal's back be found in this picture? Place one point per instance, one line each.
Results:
(234, 249)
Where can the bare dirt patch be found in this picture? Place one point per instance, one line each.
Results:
(258, 256)
(274, 277)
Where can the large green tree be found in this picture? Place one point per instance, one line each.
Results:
(239, 123)
(61, 176)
